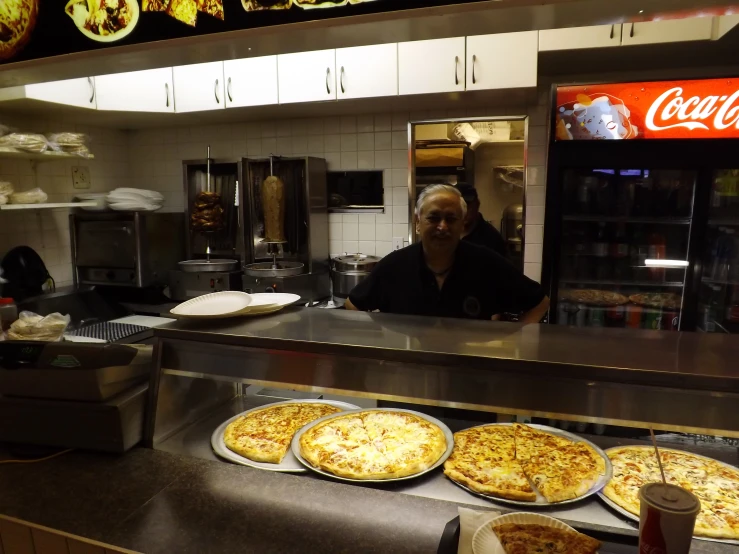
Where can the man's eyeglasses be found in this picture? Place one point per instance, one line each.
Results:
(435, 219)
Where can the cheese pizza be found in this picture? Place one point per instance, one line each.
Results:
(715, 484)
(516, 461)
(527, 538)
(17, 20)
(265, 435)
(373, 444)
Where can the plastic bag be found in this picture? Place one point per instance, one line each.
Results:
(33, 196)
(29, 142)
(4, 129)
(71, 143)
(3, 200)
(31, 326)
(6, 188)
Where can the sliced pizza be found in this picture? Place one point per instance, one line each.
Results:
(519, 538)
(532, 442)
(566, 472)
(17, 21)
(211, 7)
(185, 11)
(155, 5)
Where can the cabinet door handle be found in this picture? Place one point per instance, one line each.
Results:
(166, 90)
(92, 89)
(612, 31)
(228, 90)
(474, 60)
(328, 74)
(215, 91)
(456, 73)
(341, 80)
(631, 33)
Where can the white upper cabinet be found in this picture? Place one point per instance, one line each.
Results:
(367, 71)
(669, 30)
(72, 92)
(505, 60)
(574, 38)
(251, 81)
(199, 87)
(307, 76)
(151, 90)
(427, 66)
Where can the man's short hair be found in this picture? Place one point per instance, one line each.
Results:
(433, 189)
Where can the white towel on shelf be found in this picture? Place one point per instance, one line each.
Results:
(469, 522)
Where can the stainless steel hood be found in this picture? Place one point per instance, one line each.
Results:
(484, 17)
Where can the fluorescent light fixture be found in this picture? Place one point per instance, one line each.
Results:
(666, 263)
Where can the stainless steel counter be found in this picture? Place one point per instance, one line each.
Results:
(674, 381)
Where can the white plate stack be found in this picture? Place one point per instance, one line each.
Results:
(134, 200)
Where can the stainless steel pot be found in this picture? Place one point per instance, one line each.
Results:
(347, 272)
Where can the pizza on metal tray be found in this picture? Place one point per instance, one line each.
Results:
(373, 444)
(265, 435)
(715, 484)
(514, 461)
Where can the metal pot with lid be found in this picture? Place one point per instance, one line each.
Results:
(347, 271)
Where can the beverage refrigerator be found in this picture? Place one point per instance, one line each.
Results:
(642, 210)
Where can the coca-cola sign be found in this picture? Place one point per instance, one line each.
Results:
(654, 110)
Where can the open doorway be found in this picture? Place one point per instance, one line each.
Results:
(483, 157)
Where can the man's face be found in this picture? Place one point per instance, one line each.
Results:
(473, 208)
(441, 222)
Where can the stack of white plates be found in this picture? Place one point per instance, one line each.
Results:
(136, 200)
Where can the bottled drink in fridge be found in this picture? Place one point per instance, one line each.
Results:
(725, 192)
(585, 191)
(723, 256)
(634, 316)
(643, 196)
(638, 252)
(732, 309)
(713, 310)
(657, 251)
(600, 254)
(619, 253)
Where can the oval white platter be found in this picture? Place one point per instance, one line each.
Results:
(447, 435)
(289, 463)
(485, 541)
(540, 501)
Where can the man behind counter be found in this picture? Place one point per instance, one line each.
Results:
(476, 229)
(443, 276)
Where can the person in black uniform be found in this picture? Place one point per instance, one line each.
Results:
(476, 229)
(445, 276)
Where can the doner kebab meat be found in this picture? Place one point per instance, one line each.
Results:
(207, 213)
(273, 205)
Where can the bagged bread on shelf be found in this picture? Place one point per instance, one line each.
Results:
(31, 326)
(28, 142)
(6, 188)
(33, 196)
(71, 143)
(3, 199)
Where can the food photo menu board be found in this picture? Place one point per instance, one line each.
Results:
(32, 29)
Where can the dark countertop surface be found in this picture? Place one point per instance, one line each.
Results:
(155, 502)
(691, 360)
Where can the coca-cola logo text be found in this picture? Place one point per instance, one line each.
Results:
(692, 113)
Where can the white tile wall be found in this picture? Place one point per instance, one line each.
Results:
(47, 231)
(152, 159)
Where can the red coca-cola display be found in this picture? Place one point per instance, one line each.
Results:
(642, 216)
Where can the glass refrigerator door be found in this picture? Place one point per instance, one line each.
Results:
(624, 247)
(718, 297)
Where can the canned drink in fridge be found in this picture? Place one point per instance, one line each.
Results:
(597, 316)
(653, 318)
(616, 316)
(671, 320)
(667, 518)
(633, 316)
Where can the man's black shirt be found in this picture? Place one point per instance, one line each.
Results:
(480, 284)
(484, 234)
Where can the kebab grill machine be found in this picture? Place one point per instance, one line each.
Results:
(285, 226)
(212, 226)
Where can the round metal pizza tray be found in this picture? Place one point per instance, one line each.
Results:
(627, 514)
(541, 502)
(289, 463)
(448, 435)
